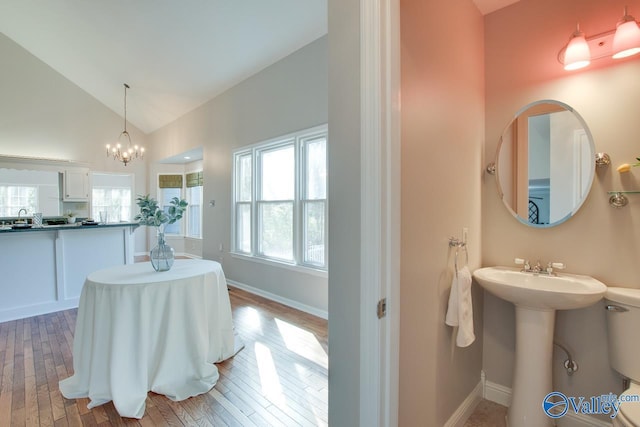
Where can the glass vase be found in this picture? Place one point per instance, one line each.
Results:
(162, 255)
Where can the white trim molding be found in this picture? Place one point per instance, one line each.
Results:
(282, 300)
(466, 408)
(502, 395)
(380, 211)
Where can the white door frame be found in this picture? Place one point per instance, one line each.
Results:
(380, 210)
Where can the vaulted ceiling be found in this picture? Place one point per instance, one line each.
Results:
(175, 55)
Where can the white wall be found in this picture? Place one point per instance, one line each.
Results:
(287, 96)
(522, 42)
(42, 114)
(344, 212)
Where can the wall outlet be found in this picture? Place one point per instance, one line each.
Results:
(221, 247)
(465, 234)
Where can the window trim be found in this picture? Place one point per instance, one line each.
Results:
(298, 140)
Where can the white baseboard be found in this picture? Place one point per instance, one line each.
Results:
(188, 255)
(497, 393)
(466, 408)
(177, 254)
(502, 395)
(282, 300)
(581, 420)
(24, 312)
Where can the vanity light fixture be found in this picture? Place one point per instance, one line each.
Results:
(120, 153)
(577, 54)
(626, 41)
(622, 42)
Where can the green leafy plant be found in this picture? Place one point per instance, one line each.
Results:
(152, 214)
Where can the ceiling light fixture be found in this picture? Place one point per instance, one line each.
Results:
(621, 42)
(120, 153)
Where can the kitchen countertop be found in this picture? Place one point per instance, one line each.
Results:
(76, 226)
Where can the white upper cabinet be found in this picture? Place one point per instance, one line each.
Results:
(76, 185)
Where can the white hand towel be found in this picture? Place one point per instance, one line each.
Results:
(460, 309)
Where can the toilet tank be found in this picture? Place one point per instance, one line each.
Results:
(623, 323)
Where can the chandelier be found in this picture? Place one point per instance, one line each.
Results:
(119, 152)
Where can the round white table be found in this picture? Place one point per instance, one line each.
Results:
(138, 330)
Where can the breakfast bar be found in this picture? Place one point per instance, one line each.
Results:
(44, 268)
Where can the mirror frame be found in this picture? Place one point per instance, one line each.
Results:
(525, 108)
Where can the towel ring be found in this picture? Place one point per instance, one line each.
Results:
(460, 246)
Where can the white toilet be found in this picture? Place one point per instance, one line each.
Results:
(623, 322)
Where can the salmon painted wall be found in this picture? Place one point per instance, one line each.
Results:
(522, 42)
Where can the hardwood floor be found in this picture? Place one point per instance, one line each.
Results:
(278, 379)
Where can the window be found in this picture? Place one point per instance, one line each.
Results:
(280, 199)
(35, 191)
(314, 199)
(242, 195)
(112, 193)
(194, 209)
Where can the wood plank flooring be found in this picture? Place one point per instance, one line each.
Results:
(278, 379)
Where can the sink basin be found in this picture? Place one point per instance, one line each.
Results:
(536, 297)
(562, 292)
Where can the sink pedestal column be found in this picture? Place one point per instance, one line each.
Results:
(532, 371)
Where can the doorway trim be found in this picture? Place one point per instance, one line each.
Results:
(380, 211)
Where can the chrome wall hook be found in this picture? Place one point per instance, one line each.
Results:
(491, 168)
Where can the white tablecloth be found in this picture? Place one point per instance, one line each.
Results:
(138, 330)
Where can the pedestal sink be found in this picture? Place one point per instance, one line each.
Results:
(536, 297)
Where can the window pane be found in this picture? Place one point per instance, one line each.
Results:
(35, 191)
(316, 167)
(166, 194)
(314, 229)
(243, 178)
(112, 192)
(243, 227)
(278, 168)
(14, 197)
(276, 230)
(115, 201)
(194, 212)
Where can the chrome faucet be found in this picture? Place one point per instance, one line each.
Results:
(20, 212)
(538, 269)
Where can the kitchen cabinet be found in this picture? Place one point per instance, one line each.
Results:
(75, 185)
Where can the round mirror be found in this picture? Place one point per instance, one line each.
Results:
(545, 163)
